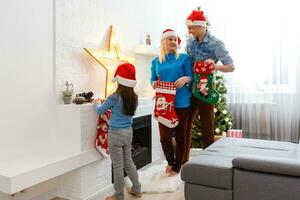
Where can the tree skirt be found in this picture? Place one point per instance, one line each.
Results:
(154, 179)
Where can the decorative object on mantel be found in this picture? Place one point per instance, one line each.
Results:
(148, 40)
(85, 97)
(68, 92)
(88, 96)
(79, 100)
(110, 51)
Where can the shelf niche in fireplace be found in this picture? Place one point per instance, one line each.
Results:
(142, 142)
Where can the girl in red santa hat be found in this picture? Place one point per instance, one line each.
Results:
(123, 103)
(170, 74)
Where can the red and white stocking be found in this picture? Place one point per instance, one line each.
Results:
(164, 110)
(101, 138)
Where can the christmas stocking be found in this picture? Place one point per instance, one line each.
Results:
(101, 138)
(164, 110)
(203, 85)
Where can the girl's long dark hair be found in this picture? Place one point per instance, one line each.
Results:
(130, 99)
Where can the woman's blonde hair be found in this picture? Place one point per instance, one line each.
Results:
(163, 51)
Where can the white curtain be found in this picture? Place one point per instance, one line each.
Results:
(263, 39)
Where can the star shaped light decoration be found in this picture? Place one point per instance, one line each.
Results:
(110, 51)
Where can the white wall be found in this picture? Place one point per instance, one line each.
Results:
(28, 79)
(26, 76)
(82, 24)
(41, 49)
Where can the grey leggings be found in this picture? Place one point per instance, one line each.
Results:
(120, 152)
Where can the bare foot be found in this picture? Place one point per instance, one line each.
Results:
(168, 169)
(110, 198)
(172, 173)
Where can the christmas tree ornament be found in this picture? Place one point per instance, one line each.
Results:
(164, 110)
(203, 86)
(101, 137)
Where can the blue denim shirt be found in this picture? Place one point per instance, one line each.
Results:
(210, 47)
(118, 120)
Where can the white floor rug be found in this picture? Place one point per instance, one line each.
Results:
(154, 179)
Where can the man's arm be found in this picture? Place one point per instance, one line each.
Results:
(223, 55)
(224, 68)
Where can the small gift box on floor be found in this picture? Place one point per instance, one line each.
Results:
(235, 133)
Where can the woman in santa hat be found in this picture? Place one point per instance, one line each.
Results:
(174, 69)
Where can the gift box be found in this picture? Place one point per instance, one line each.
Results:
(235, 133)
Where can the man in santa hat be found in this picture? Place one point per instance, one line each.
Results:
(204, 47)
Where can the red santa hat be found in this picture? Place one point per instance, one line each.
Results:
(125, 75)
(169, 32)
(196, 18)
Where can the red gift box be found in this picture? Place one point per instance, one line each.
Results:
(235, 133)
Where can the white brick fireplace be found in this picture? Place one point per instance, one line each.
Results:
(75, 170)
(95, 177)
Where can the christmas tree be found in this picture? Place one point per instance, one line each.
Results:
(223, 118)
